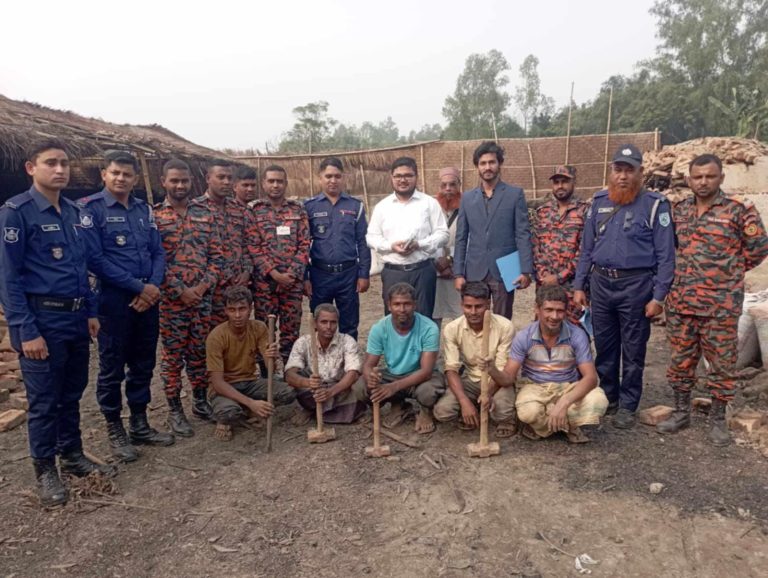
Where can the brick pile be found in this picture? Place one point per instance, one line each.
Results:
(13, 399)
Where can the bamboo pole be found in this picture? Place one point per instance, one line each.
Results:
(568, 133)
(311, 177)
(533, 170)
(365, 191)
(147, 182)
(423, 170)
(259, 176)
(462, 165)
(607, 137)
(656, 139)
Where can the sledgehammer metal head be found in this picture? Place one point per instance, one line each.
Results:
(479, 450)
(317, 436)
(377, 452)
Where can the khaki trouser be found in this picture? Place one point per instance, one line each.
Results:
(426, 393)
(449, 408)
(535, 401)
(228, 411)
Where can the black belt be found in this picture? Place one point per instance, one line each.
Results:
(45, 303)
(619, 273)
(409, 267)
(337, 268)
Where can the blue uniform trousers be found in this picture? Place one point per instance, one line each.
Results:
(56, 384)
(621, 334)
(127, 338)
(340, 288)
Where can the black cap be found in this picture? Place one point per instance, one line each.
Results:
(628, 154)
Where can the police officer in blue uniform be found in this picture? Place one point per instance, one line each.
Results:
(126, 255)
(628, 259)
(51, 313)
(340, 258)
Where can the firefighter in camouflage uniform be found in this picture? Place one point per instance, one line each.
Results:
(719, 239)
(279, 245)
(232, 220)
(556, 238)
(193, 264)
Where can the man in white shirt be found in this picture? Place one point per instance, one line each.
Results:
(406, 229)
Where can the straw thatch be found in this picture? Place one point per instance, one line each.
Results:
(87, 139)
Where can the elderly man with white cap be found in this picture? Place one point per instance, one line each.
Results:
(447, 299)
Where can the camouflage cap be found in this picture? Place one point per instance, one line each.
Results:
(567, 171)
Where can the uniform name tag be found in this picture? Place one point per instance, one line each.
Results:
(323, 214)
(49, 228)
(283, 230)
(346, 212)
(115, 219)
(605, 210)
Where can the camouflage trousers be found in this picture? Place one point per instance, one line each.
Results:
(269, 298)
(183, 331)
(690, 336)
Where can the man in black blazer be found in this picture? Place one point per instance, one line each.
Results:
(493, 222)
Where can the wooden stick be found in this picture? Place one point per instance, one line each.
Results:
(533, 170)
(423, 170)
(270, 379)
(365, 191)
(147, 181)
(484, 379)
(568, 132)
(316, 372)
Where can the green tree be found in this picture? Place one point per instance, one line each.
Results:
(426, 132)
(312, 128)
(479, 103)
(531, 103)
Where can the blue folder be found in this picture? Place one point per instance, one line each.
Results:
(509, 267)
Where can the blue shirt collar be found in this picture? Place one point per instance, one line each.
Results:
(565, 333)
(110, 200)
(40, 200)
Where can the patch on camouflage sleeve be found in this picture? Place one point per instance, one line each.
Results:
(750, 230)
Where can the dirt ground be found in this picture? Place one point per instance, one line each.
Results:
(207, 508)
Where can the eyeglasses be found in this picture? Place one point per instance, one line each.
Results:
(403, 177)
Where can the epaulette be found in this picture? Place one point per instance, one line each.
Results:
(257, 202)
(70, 202)
(603, 193)
(295, 203)
(90, 198)
(741, 199)
(158, 206)
(656, 194)
(18, 200)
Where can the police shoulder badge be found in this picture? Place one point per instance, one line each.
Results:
(57, 252)
(664, 219)
(86, 221)
(10, 234)
(751, 230)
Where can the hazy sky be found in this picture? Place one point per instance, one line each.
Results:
(227, 74)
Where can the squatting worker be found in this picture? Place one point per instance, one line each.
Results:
(556, 235)
(463, 359)
(340, 261)
(230, 350)
(194, 261)
(279, 246)
(126, 255)
(409, 343)
(245, 184)
(558, 390)
(406, 230)
(447, 299)
(233, 224)
(628, 258)
(719, 238)
(338, 387)
(51, 313)
(493, 222)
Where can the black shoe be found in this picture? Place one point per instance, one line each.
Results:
(719, 434)
(613, 407)
(681, 417)
(200, 406)
(624, 419)
(76, 464)
(142, 433)
(49, 487)
(121, 445)
(177, 421)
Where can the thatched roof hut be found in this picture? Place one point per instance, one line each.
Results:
(87, 139)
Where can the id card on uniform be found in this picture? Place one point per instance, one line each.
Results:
(283, 230)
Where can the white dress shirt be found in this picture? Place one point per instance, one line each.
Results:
(420, 218)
